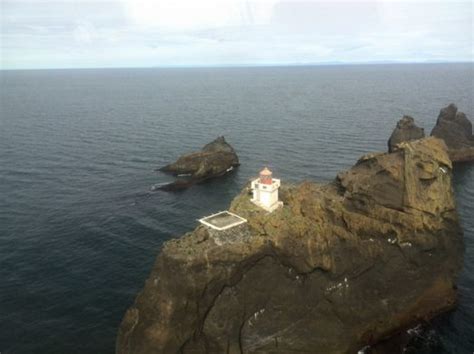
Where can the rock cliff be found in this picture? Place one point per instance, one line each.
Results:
(215, 159)
(406, 130)
(456, 130)
(338, 267)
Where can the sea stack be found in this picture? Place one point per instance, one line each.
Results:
(406, 130)
(214, 160)
(337, 267)
(456, 130)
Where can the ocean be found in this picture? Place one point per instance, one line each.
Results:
(80, 227)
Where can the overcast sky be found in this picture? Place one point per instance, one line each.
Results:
(149, 33)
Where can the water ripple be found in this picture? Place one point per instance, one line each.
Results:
(79, 227)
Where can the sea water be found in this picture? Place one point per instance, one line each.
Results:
(80, 225)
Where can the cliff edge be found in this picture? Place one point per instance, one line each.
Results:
(338, 267)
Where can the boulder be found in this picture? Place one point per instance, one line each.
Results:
(456, 130)
(214, 160)
(406, 130)
(339, 267)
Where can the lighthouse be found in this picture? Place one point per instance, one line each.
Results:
(265, 191)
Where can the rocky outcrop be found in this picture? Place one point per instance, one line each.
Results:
(406, 130)
(456, 130)
(338, 267)
(214, 160)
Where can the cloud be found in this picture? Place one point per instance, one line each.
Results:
(68, 33)
(84, 32)
(192, 15)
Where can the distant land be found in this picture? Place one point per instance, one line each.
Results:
(251, 65)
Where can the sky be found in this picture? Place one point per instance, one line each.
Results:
(38, 34)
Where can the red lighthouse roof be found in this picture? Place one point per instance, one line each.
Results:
(266, 176)
(265, 172)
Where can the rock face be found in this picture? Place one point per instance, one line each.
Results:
(456, 130)
(406, 130)
(214, 160)
(338, 267)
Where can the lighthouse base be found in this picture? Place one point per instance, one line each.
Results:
(271, 208)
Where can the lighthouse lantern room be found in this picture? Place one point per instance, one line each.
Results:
(265, 191)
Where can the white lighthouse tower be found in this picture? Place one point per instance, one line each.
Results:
(265, 191)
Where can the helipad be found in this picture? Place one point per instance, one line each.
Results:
(222, 220)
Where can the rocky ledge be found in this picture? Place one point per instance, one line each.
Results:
(338, 267)
(456, 130)
(452, 126)
(214, 160)
(406, 130)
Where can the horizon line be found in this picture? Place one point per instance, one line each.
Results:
(250, 65)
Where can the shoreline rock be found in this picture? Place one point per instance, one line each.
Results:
(406, 130)
(339, 267)
(452, 126)
(456, 130)
(214, 160)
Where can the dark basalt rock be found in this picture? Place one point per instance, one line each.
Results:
(178, 185)
(456, 130)
(214, 160)
(422, 339)
(338, 267)
(406, 130)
